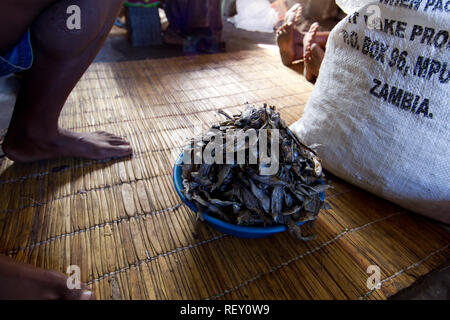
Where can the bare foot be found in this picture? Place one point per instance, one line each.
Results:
(19, 281)
(312, 65)
(309, 39)
(292, 17)
(26, 147)
(289, 39)
(172, 38)
(312, 53)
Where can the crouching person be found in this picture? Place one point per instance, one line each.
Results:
(52, 57)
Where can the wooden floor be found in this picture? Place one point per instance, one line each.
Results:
(123, 224)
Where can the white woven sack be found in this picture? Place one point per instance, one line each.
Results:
(380, 108)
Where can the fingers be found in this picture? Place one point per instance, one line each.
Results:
(81, 294)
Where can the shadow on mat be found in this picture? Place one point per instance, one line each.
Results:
(22, 189)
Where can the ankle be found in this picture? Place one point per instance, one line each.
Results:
(37, 139)
(31, 133)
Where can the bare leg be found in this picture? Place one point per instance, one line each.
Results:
(17, 24)
(313, 54)
(61, 58)
(22, 281)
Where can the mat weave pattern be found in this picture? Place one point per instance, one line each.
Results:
(123, 224)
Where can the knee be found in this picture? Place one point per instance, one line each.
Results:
(61, 31)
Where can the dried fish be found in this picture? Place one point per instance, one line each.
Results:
(261, 195)
(277, 203)
(241, 193)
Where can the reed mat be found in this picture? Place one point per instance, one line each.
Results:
(123, 224)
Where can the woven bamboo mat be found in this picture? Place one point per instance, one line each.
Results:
(123, 224)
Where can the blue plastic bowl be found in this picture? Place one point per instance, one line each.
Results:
(225, 227)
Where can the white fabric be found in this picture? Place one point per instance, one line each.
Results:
(352, 5)
(255, 15)
(393, 152)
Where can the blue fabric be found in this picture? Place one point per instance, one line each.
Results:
(20, 58)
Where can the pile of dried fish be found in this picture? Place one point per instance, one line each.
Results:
(238, 193)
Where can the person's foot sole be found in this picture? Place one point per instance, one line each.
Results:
(309, 39)
(312, 65)
(308, 42)
(288, 36)
(292, 17)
